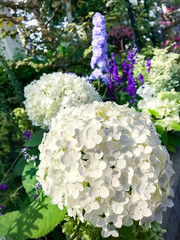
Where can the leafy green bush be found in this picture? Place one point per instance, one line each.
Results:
(165, 70)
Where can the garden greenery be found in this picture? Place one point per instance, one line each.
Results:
(88, 169)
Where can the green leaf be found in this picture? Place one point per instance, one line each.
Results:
(175, 126)
(87, 51)
(154, 113)
(9, 23)
(19, 167)
(29, 179)
(174, 140)
(40, 218)
(35, 139)
(1, 22)
(159, 129)
(6, 221)
(170, 148)
(164, 138)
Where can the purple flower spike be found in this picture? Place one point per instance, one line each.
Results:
(1, 207)
(1, 214)
(27, 134)
(99, 44)
(148, 65)
(3, 186)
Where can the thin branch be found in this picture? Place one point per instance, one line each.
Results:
(53, 15)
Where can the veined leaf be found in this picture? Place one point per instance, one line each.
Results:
(39, 218)
(7, 220)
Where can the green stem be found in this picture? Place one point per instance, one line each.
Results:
(11, 167)
(76, 232)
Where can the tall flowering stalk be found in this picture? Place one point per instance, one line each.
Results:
(148, 65)
(113, 76)
(128, 75)
(99, 44)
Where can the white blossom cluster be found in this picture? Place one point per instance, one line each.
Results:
(53, 92)
(165, 104)
(106, 164)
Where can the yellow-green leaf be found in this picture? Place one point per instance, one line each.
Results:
(9, 24)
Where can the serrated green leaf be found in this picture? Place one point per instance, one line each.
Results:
(40, 218)
(35, 139)
(6, 220)
(29, 179)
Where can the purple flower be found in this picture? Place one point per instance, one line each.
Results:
(3, 186)
(141, 79)
(135, 50)
(38, 185)
(27, 157)
(36, 196)
(27, 135)
(148, 65)
(125, 67)
(99, 44)
(1, 207)
(1, 214)
(128, 75)
(113, 70)
(130, 56)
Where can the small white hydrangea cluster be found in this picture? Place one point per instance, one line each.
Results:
(53, 92)
(106, 164)
(167, 107)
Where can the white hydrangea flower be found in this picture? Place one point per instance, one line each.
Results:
(53, 92)
(105, 163)
(146, 91)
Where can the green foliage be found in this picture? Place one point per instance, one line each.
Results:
(170, 139)
(165, 70)
(86, 231)
(29, 179)
(35, 139)
(20, 117)
(39, 218)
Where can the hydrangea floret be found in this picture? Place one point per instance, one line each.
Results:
(106, 164)
(52, 92)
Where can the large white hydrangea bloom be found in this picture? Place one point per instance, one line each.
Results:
(53, 92)
(106, 164)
